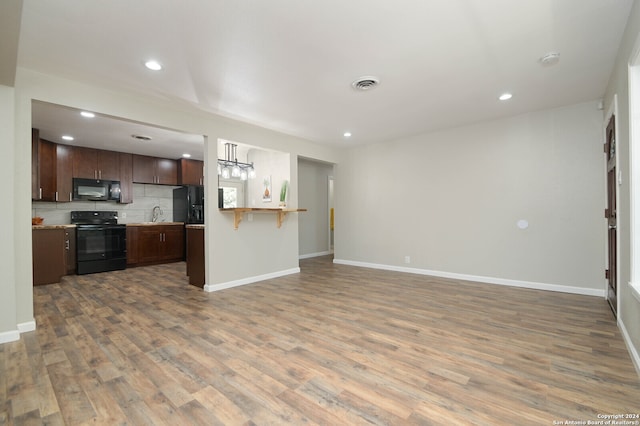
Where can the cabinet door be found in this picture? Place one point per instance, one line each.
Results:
(190, 172)
(195, 256)
(35, 164)
(166, 171)
(172, 243)
(149, 241)
(144, 169)
(47, 170)
(49, 256)
(126, 178)
(108, 165)
(85, 161)
(132, 245)
(64, 172)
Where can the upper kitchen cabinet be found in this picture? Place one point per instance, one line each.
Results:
(64, 167)
(190, 172)
(50, 170)
(126, 178)
(92, 163)
(43, 168)
(154, 170)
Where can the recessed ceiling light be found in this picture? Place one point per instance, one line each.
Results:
(505, 96)
(153, 65)
(87, 114)
(347, 134)
(67, 138)
(185, 155)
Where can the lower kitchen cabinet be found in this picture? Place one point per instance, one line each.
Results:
(49, 255)
(195, 255)
(152, 244)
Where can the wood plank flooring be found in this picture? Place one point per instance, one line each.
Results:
(333, 345)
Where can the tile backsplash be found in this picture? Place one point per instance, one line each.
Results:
(145, 198)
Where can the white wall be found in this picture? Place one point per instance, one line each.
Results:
(451, 200)
(313, 194)
(8, 321)
(629, 307)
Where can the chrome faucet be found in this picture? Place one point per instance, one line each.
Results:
(156, 213)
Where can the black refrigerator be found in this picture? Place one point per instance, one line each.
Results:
(188, 204)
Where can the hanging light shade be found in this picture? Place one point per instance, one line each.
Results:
(231, 167)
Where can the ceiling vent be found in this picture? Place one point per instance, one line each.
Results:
(141, 137)
(365, 83)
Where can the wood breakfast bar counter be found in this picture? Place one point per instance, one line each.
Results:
(239, 211)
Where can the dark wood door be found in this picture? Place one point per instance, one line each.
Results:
(611, 216)
(64, 173)
(144, 169)
(190, 172)
(126, 178)
(47, 170)
(49, 256)
(166, 171)
(132, 245)
(35, 164)
(108, 165)
(85, 161)
(149, 240)
(172, 242)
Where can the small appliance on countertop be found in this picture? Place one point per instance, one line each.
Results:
(100, 241)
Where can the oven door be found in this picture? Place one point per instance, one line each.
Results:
(96, 242)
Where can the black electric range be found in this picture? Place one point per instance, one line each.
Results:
(101, 242)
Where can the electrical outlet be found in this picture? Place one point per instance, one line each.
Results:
(123, 215)
(407, 259)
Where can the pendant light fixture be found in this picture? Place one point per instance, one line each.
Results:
(231, 167)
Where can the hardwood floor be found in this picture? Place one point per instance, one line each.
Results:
(333, 345)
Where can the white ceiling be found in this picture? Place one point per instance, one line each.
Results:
(288, 65)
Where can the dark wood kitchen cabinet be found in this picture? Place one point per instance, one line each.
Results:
(51, 165)
(64, 175)
(43, 168)
(49, 255)
(190, 172)
(154, 170)
(195, 255)
(90, 163)
(126, 178)
(155, 244)
(132, 245)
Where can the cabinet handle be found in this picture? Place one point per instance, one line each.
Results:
(160, 237)
(70, 197)
(56, 195)
(99, 174)
(40, 193)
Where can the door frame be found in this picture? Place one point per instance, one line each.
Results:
(612, 110)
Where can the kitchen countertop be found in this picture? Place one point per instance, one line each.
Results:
(52, 226)
(154, 223)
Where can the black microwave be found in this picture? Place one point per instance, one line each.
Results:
(96, 190)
